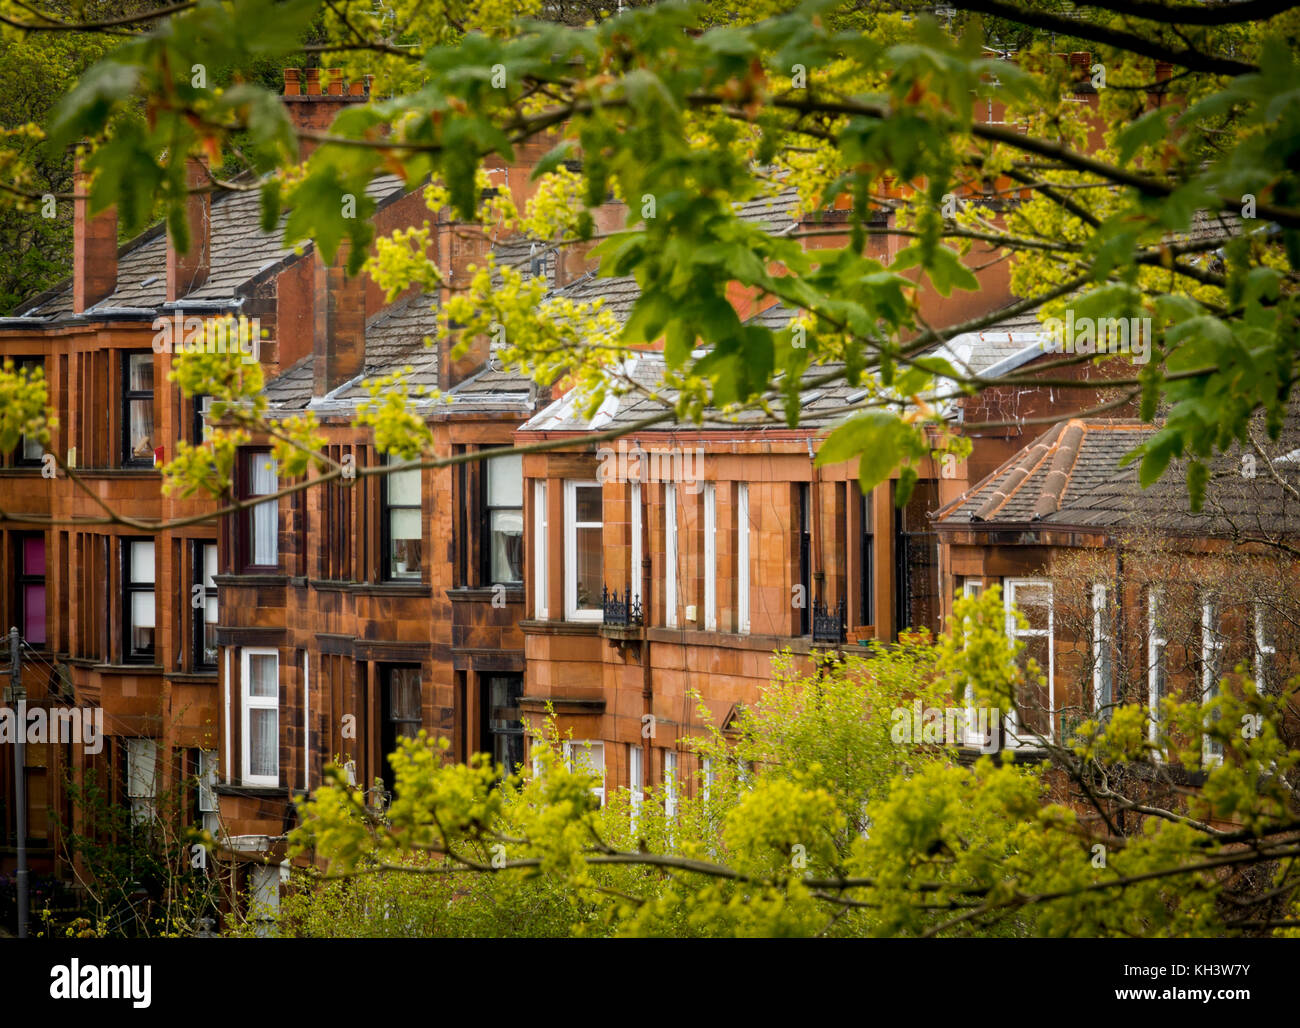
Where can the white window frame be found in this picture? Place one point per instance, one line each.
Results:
(670, 554)
(247, 703)
(1101, 643)
(1010, 585)
(1211, 644)
(710, 557)
(970, 587)
(1262, 648)
(539, 550)
(264, 897)
(670, 783)
(636, 779)
(1156, 643)
(742, 558)
(634, 499)
(207, 785)
(571, 526)
(142, 778)
(706, 765)
(591, 745)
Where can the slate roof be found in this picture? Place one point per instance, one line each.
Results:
(1046, 479)
(1001, 348)
(241, 252)
(819, 407)
(395, 340)
(1070, 477)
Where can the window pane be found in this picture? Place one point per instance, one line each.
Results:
(507, 546)
(1035, 709)
(505, 481)
(263, 676)
(141, 429)
(404, 487)
(404, 695)
(588, 757)
(588, 504)
(32, 449)
(142, 614)
(264, 747)
(140, 372)
(266, 516)
(210, 567)
(142, 571)
(504, 694)
(34, 614)
(589, 566)
(404, 543)
(34, 555)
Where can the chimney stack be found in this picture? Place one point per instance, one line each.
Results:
(339, 342)
(187, 271)
(311, 109)
(94, 247)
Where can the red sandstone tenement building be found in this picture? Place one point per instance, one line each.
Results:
(459, 600)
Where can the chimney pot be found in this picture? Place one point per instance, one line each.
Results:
(336, 82)
(313, 82)
(292, 78)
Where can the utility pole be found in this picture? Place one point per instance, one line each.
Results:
(19, 700)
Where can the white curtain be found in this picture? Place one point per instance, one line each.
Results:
(266, 516)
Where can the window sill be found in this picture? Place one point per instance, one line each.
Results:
(207, 676)
(561, 627)
(252, 791)
(514, 593)
(253, 578)
(128, 669)
(391, 588)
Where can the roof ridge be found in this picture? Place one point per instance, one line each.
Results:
(1034, 455)
(1064, 461)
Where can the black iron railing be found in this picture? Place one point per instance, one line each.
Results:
(620, 608)
(829, 624)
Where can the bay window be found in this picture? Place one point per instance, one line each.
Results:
(505, 727)
(262, 520)
(205, 605)
(742, 558)
(403, 715)
(539, 551)
(403, 523)
(583, 556)
(260, 720)
(1102, 669)
(636, 779)
(504, 517)
(31, 587)
(582, 756)
(138, 603)
(1035, 702)
(670, 555)
(1156, 643)
(1211, 644)
(137, 409)
(710, 557)
(31, 452)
